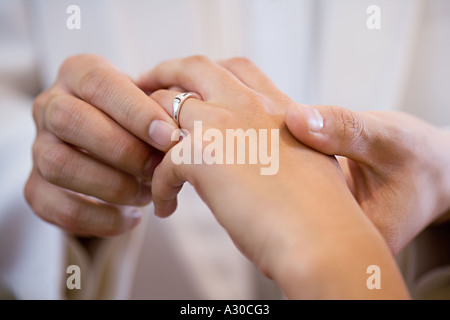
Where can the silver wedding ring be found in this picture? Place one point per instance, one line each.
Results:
(178, 103)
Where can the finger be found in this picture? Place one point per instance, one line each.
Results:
(69, 168)
(78, 123)
(251, 76)
(167, 183)
(75, 213)
(197, 74)
(334, 131)
(191, 110)
(101, 85)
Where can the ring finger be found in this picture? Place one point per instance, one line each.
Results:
(190, 111)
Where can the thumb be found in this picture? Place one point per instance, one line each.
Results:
(331, 130)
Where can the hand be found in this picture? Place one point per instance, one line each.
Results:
(300, 226)
(395, 164)
(92, 159)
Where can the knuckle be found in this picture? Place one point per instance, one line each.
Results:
(73, 60)
(76, 60)
(130, 112)
(74, 216)
(35, 148)
(28, 192)
(240, 61)
(108, 224)
(68, 63)
(352, 127)
(38, 106)
(70, 215)
(60, 113)
(122, 148)
(39, 205)
(257, 102)
(197, 59)
(94, 82)
(257, 98)
(53, 164)
(397, 142)
(123, 191)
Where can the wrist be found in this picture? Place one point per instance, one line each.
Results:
(329, 257)
(340, 269)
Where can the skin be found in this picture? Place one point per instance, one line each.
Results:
(87, 125)
(94, 117)
(395, 164)
(311, 247)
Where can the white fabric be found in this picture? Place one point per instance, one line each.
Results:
(316, 51)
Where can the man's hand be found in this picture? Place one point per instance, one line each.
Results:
(92, 155)
(395, 164)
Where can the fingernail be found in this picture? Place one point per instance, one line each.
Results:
(161, 133)
(145, 193)
(133, 217)
(314, 118)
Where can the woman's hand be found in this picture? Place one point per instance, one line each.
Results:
(92, 155)
(301, 226)
(396, 165)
